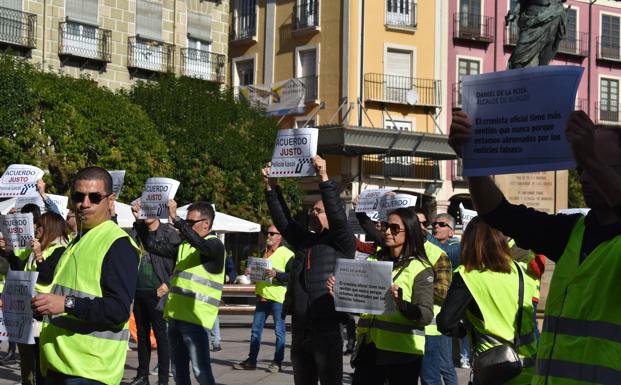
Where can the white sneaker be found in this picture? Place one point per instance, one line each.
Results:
(464, 363)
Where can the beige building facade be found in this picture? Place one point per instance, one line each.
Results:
(116, 42)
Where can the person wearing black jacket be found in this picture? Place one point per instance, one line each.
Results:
(317, 344)
(153, 282)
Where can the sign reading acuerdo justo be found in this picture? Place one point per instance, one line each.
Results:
(20, 180)
(294, 150)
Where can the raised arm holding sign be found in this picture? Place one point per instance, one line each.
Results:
(157, 192)
(294, 151)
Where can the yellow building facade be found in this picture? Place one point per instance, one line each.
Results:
(372, 74)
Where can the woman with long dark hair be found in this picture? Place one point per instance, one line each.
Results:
(391, 346)
(485, 294)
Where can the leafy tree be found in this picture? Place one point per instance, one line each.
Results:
(575, 197)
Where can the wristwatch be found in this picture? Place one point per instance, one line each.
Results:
(69, 303)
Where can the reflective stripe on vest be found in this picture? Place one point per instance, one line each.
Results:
(389, 326)
(198, 279)
(80, 327)
(197, 296)
(581, 338)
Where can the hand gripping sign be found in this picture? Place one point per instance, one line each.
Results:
(157, 192)
(16, 314)
(17, 230)
(369, 200)
(118, 177)
(363, 286)
(294, 151)
(20, 180)
(257, 268)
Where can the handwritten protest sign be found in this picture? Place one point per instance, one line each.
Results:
(17, 230)
(389, 203)
(363, 286)
(157, 192)
(369, 200)
(61, 202)
(118, 176)
(20, 180)
(519, 119)
(466, 215)
(294, 151)
(257, 268)
(19, 288)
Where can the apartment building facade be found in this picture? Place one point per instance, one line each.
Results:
(116, 42)
(372, 76)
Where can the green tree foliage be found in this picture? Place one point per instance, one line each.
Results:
(218, 143)
(61, 124)
(575, 198)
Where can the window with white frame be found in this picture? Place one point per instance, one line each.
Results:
(401, 13)
(465, 67)
(305, 122)
(569, 44)
(245, 72)
(148, 50)
(398, 165)
(470, 17)
(609, 100)
(79, 33)
(398, 70)
(307, 72)
(609, 41)
(306, 13)
(198, 61)
(244, 19)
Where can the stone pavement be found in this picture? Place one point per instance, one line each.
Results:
(235, 334)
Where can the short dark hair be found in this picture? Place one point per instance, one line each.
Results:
(31, 208)
(94, 173)
(205, 209)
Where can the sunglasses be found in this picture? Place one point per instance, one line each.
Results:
(271, 234)
(441, 224)
(192, 223)
(393, 227)
(425, 223)
(93, 197)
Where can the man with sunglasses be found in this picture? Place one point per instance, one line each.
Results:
(84, 334)
(195, 288)
(317, 344)
(270, 297)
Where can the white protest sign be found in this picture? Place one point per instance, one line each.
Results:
(360, 256)
(466, 215)
(60, 201)
(257, 268)
(582, 211)
(294, 151)
(389, 203)
(518, 119)
(19, 288)
(118, 176)
(20, 180)
(17, 230)
(363, 286)
(369, 200)
(155, 196)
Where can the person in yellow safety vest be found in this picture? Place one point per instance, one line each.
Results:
(390, 346)
(44, 253)
(484, 292)
(270, 297)
(580, 335)
(195, 288)
(84, 332)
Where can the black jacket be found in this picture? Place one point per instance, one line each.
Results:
(307, 299)
(162, 266)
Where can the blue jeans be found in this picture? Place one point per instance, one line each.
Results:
(464, 349)
(190, 343)
(55, 378)
(437, 362)
(215, 333)
(263, 310)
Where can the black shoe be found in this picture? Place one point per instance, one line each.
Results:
(216, 348)
(8, 359)
(140, 380)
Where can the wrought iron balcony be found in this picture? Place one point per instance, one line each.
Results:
(17, 28)
(608, 48)
(84, 41)
(511, 33)
(400, 167)
(310, 86)
(150, 55)
(306, 14)
(402, 90)
(473, 27)
(607, 113)
(401, 14)
(245, 22)
(456, 95)
(201, 64)
(575, 46)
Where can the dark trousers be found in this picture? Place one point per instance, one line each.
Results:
(147, 317)
(317, 355)
(368, 372)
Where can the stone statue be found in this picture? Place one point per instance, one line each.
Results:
(542, 25)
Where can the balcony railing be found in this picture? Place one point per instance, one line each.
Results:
(201, 64)
(575, 46)
(401, 14)
(582, 105)
(607, 112)
(511, 33)
(457, 170)
(402, 90)
(310, 86)
(84, 41)
(608, 48)
(17, 28)
(150, 55)
(306, 14)
(400, 167)
(469, 26)
(456, 95)
(245, 22)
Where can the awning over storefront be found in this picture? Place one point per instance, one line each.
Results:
(352, 141)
